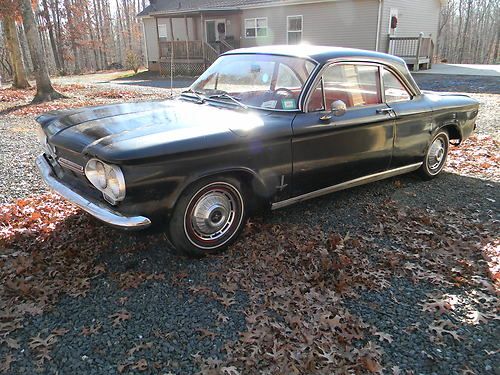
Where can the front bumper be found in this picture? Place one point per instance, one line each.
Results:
(97, 209)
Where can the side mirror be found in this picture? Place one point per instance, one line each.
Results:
(339, 108)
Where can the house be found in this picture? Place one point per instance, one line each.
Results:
(188, 35)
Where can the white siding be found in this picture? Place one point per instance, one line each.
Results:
(344, 23)
(153, 52)
(179, 26)
(413, 17)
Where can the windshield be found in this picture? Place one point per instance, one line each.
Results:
(264, 81)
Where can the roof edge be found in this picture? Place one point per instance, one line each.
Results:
(271, 4)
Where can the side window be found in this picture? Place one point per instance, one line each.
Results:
(356, 85)
(394, 89)
(316, 99)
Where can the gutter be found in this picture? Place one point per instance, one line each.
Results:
(379, 20)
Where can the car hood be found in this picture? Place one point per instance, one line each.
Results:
(140, 130)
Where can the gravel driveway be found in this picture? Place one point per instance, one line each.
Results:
(133, 307)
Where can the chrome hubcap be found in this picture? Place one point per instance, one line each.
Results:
(436, 154)
(213, 215)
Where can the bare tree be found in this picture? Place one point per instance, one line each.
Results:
(12, 43)
(9, 12)
(44, 90)
(469, 31)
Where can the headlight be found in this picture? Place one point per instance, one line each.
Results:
(107, 178)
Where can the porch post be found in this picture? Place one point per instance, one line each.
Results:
(416, 66)
(203, 40)
(171, 28)
(159, 47)
(187, 43)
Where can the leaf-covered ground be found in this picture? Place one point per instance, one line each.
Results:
(397, 277)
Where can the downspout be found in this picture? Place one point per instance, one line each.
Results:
(379, 20)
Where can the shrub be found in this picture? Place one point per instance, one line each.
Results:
(133, 61)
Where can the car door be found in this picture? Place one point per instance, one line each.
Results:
(413, 118)
(328, 149)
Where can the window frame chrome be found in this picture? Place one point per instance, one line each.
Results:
(381, 65)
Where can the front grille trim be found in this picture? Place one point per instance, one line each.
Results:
(68, 164)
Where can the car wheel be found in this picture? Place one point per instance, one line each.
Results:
(436, 155)
(208, 217)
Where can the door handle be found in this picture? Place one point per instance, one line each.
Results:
(385, 110)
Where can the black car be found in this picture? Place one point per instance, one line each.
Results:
(267, 126)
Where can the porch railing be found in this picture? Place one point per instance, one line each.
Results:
(180, 49)
(415, 50)
(189, 57)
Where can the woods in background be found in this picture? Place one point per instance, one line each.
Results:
(76, 35)
(469, 32)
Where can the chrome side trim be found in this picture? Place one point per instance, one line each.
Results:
(348, 184)
(98, 210)
(68, 164)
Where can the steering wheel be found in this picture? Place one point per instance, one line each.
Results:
(288, 91)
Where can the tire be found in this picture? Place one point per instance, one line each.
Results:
(435, 156)
(208, 217)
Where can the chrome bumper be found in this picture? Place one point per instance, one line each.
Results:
(98, 210)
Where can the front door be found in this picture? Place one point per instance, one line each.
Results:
(413, 121)
(330, 149)
(215, 30)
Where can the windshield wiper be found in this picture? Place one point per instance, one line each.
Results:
(198, 94)
(225, 95)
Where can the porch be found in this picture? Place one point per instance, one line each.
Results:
(190, 42)
(416, 51)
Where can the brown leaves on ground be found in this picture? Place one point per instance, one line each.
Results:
(6, 362)
(128, 280)
(92, 330)
(441, 328)
(478, 156)
(48, 249)
(295, 278)
(296, 319)
(440, 305)
(13, 95)
(119, 317)
(78, 96)
(41, 347)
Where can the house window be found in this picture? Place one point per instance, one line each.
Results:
(162, 32)
(255, 27)
(294, 29)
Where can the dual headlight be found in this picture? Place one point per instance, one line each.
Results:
(107, 178)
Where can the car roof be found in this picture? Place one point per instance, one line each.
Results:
(320, 54)
(323, 54)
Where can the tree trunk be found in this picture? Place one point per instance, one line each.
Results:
(72, 36)
(93, 41)
(44, 90)
(12, 44)
(50, 28)
(465, 35)
(54, 5)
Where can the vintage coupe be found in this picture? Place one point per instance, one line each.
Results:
(265, 126)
